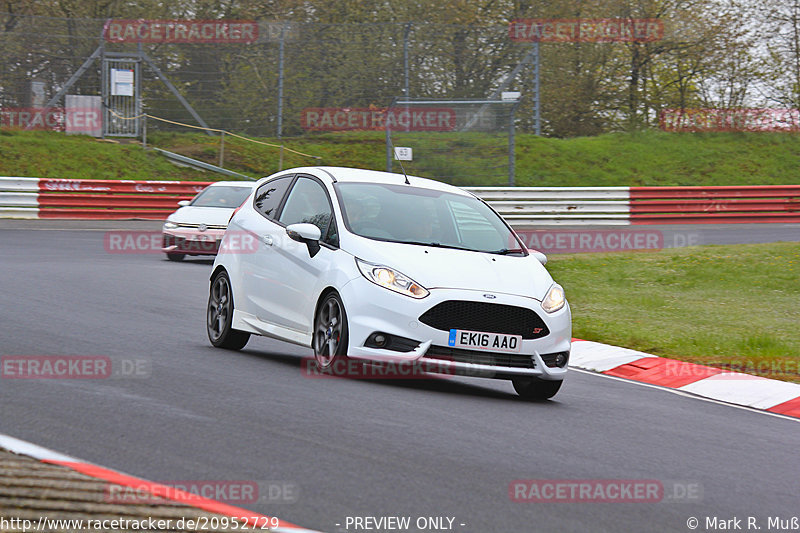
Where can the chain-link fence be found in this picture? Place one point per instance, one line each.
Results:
(274, 79)
(460, 141)
(260, 85)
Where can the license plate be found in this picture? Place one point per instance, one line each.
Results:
(490, 342)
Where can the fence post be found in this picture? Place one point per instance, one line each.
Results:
(406, 32)
(280, 80)
(388, 148)
(537, 118)
(512, 147)
(222, 149)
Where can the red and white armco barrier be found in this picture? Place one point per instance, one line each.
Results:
(536, 206)
(521, 206)
(93, 199)
(715, 205)
(532, 206)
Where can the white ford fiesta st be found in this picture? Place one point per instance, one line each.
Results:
(390, 269)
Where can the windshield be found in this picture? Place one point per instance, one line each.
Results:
(407, 214)
(221, 196)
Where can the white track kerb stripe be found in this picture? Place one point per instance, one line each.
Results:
(40, 453)
(724, 386)
(600, 357)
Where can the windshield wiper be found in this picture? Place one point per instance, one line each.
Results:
(506, 251)
(438, 245)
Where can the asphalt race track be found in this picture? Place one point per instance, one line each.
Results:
(446, 447)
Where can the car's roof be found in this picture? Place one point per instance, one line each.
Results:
(360, 175)
(249, 184)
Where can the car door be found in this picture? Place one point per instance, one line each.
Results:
(300, 276)
(258, 266)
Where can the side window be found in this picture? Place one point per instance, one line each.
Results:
(268, 197)
(308, 203)
(332, 237)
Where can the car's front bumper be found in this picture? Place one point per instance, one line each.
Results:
(372, 309)
(191, 241)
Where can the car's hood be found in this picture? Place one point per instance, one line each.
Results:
(213, 216)
(448, 268)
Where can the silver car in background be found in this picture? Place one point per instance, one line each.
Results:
(197, 227)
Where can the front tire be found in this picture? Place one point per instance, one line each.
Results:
(219, 316)
(330, 332)
(176, 257)
(535, 388)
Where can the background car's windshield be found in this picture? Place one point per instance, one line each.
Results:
(402, 213)
(221, 196)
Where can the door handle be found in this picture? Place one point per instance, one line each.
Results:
(267, 240)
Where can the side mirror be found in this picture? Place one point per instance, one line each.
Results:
(538, 255)
(184, 203)
(307, 233)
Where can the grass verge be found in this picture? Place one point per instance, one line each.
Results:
(734, 307)
(45, 154)
(652, 158)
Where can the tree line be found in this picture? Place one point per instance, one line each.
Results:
(339, 53)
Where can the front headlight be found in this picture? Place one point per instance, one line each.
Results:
(555, 299)
(170, 225)
(391, 279)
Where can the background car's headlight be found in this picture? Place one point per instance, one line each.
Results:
(391, 279)
(170, 225)
(554, 300)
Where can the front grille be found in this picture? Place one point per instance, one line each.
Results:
(479, 358)
(485, 317)
(208, 226)
(184, 245)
